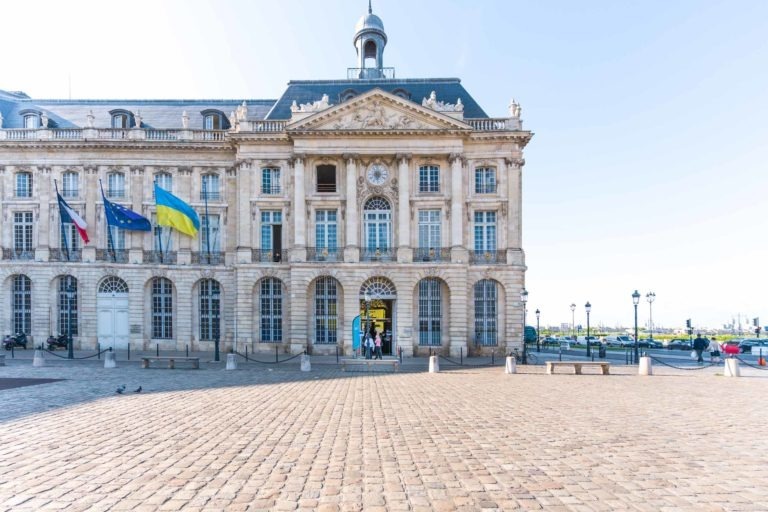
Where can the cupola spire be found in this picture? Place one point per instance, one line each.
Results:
(370, 40)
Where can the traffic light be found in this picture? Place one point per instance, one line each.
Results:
(688, 323)
(756, 321)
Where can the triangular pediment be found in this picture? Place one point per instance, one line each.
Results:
(377, 110)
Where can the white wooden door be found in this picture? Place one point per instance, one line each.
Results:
(113, 320)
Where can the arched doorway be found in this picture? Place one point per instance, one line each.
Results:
(377, 311)
(112, 308)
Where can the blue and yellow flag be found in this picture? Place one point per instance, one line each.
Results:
(173, 212)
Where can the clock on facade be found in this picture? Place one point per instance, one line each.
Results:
(377, 174)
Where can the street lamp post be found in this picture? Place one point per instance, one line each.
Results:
(588, 308)
(215, 295)
(538, 335)
(524, 300)
(367, 298)
(650, 297)
(636, 301)
(70, 292)
(573, 322)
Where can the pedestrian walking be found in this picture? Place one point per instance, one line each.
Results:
(377, 346)
(368, 346)
(714, 351)
(699, 345)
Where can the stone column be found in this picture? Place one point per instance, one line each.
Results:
(228, 216)
(351, 215)
(514, 210)
(4, 226)
(45, 225)
(458, 250)
(135, 249)
(242, 217)
(90, 184)
(299, 250)
(405, 249)
(460, 330)
(184, 192)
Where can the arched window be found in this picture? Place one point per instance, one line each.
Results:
(326, 310)
(271, 310)
(210, 187)
(162, 308)
(210, 310)
(377, 229)
(378, 288)
(67, 303)
(347, 94)
(486, 317)
(113, 285)
(430, 312)
(214, 120)
(121, 119)
(21, 304)
(23, 184)
(31, 121)
(116, 185)
(70, 184)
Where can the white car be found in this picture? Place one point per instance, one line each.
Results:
(621, 341)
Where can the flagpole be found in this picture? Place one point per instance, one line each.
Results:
(207, 223)
(61, 221)
(160, 235)
(110, 243)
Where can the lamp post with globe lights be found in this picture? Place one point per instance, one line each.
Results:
(588, 308)
(573, 322)
(524, 300)
(650, 297)
(538, 336)
(636, 301)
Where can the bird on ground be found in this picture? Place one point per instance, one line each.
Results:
(137, 390)
(120, 389)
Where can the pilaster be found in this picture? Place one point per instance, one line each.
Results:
(243, 216)
(405, 251)
(458, 250)
(351, 219)
(299, 250)
(184, 256)
(44, 196)
(514, 215)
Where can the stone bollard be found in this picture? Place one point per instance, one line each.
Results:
(306, 366)
(434, 364)
(2, 359)
(511, 366)
(732, 367)
(109, 360)
(645, 367)
(231, 362)
(38, 359)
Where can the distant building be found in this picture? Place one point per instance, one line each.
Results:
(402, 191)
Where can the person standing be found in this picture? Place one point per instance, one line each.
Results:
(377, 344)
(714, 351)
(699, 345)
(368, 346)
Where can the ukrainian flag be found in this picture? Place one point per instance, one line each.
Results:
(173, 212)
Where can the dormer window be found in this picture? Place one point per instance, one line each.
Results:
(31, 119)
(402, 93)
(214, 120)
(347, 94)
(121, 119)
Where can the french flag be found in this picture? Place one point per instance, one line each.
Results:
(67, 214)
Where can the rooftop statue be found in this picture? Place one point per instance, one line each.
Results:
(43, 120)
(185, 120)
(514, 108)
(316, 106)
(90, 119)
(441, 106)
(242, 112)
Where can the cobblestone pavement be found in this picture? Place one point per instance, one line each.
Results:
(468, 439)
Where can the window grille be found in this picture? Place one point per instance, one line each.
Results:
(162, 308)
(210, 305)
(21, 304)
(270, 180)
(113, 285)
(68, 306)
(485, 231)
(485, 313)
(271, 301)
(429, 178)
(23, 184)
(430, 312)
(378, 288)
(326, 311)
(485, 180)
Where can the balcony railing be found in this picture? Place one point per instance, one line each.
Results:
(432, 254)
(113, 133)
(209, 135)
(18, 254)
(25, 134)
(162, 134)
(161, 257)
(116, 193)
(61, 255)
(210, 195)
(268, 126)
(379, 254)
(370, 73)
(206, 258)
(67, 134)
(323, 254)
(269, 256)
(112, 255)
(498, 124)
(488, 257)
(326, 187)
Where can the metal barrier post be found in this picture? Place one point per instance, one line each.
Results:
(461, 355)
(246, 353)
(337, 354)
(400, 349)
(157, 350)
(129, 351)
(276, 353)
(187, 349)
(98, 351)
(493, 353)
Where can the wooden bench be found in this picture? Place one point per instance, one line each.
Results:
(577, 365)
(370, 363)
(171, 361)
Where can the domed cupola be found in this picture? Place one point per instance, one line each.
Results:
(370, 40)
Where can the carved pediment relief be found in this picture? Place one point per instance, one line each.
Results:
(377, 110)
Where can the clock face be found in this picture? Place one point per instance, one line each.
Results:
(377, 174)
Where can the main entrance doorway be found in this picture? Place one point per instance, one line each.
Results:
(377, 312)
(112, 310)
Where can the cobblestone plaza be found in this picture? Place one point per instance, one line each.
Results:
(469, 439)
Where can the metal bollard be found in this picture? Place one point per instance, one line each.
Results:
(246, 353)
(129, 351)
(157, 350)
(276, 359)
(187, 350)
(461, 355)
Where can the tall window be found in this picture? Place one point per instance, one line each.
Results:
(21, 304)
(116, 185)
(326, 229)
(162, 308)
(485, 180)
(31, 121)
(209, 230)
(67, 303)
(485, 231)
(23, 184)
(271, 302)
(377, 223)
(270, 219)
(161, 239)
(485, 313)
(70, 238)
(22, 232)
(326, 313)
(115, 238)
(429, 178)
(270, 180)
(430, 312)
(429, 229)
(210, 309)
(70, 184)
(210, 187)
(165, 181)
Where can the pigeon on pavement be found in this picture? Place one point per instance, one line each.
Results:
(138, 390)
(120, 389)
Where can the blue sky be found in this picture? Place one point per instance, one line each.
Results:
(647, 169)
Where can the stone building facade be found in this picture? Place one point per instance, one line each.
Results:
(399, 191)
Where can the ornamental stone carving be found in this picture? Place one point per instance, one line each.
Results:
(441, 106)
(185, 120)
(375, 116)
(90, 118)
(514, 109)
(315, 106)
(242, 112)
(515, 163)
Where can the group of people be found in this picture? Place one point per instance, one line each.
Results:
(372, 345)
(701, 344)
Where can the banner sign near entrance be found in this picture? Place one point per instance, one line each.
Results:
(356, 333)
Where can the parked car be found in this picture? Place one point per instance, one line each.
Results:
(649, 343)
(593, 340)
(745, 346)
(619, 341)
(679, 344)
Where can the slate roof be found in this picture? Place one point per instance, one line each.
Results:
(309, 91)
